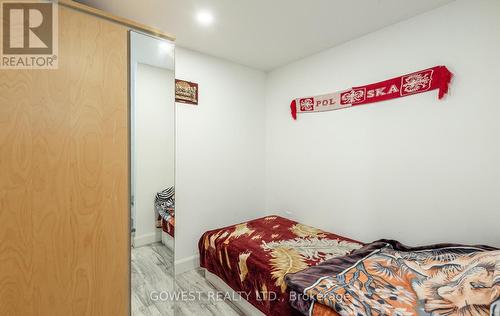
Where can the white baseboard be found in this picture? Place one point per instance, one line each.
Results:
(187, 264)
(146, 239)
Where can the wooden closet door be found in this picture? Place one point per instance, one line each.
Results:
(64, 183)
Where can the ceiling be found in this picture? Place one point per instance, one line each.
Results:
(266, 34)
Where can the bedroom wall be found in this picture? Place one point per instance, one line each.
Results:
(416, 169)
(219, 150)
(154, 146)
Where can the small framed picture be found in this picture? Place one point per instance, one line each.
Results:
(186, 92)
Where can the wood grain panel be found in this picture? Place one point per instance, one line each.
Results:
(64, 185)
(117, 19)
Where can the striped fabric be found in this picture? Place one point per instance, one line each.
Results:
(495, 309)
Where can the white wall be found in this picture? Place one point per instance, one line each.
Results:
(154, 145)
(415, 168)
(219, 149)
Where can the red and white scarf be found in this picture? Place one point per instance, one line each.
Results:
(437, 77)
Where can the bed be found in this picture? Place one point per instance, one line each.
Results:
(252, 259)
(168, 225)
(165, 215)
(168, 231)
(275, 266)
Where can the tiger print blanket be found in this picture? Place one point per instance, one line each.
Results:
(388, 278)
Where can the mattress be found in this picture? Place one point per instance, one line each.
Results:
(253, 258)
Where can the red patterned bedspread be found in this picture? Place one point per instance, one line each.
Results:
(168, 226)
(254, 257)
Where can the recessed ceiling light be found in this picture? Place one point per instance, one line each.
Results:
(205, 18)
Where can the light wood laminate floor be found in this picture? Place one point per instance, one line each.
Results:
(195, 281)
(152, 272)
